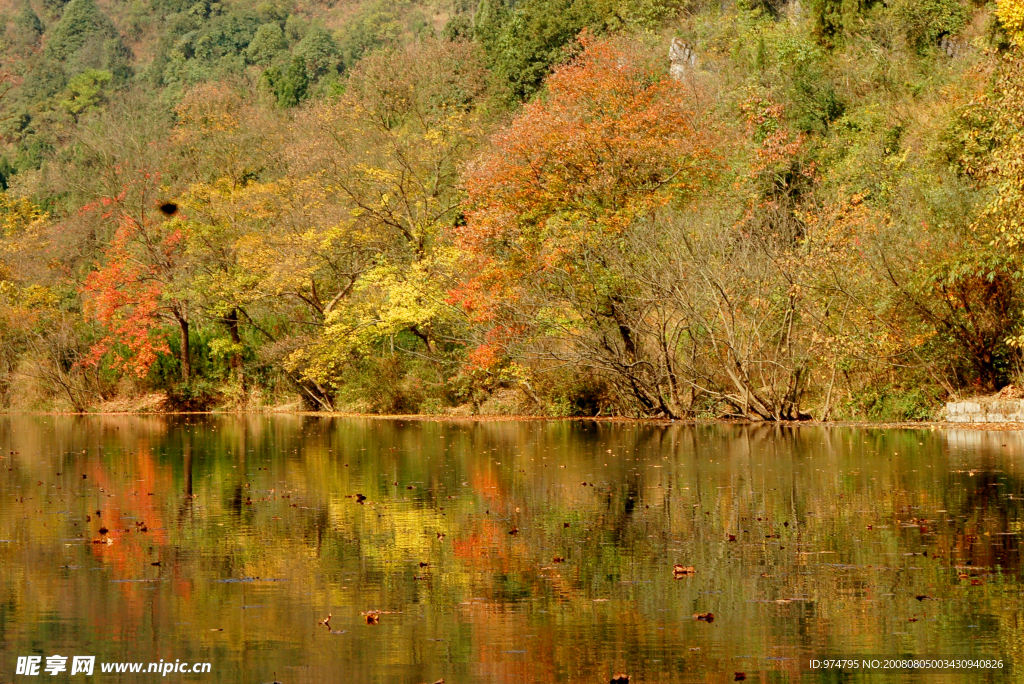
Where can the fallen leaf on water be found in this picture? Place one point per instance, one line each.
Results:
(922, 597)
(977, 582)
(683, 570)
(620, 678)
(739, 676)
(514, 530)
(326, 622)
(557, 559)
(963, 575)
(704, 617)
(732, 537)
(372, 617)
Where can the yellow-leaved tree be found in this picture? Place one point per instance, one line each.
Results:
(1002, 219)
(1011, 16)
(385, 159)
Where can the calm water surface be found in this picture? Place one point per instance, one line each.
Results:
(505, 551)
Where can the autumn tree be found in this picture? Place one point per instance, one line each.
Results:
(258, 257)
(557, 196)
(40, 340)
(1011, 16)
(382, 163)
(133, 290)
(980, 282)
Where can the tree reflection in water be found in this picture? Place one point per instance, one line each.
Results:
(846, 541)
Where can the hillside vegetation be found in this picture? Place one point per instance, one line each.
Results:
(811, 211)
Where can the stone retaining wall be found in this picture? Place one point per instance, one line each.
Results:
(986, 411)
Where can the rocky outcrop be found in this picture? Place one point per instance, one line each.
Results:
(681, 58)
(795, 12)
(951, 46)
(1007, 406)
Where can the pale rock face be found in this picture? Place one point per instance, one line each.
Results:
(988, 410)
(795, 12)
(681, 58)
(951, 46)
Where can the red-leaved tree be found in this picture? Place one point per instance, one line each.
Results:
(558, 195)
(133, 291)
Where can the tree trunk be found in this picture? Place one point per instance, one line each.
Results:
(231, 321)
(186, 355)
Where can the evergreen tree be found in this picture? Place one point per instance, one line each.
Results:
(266, 44)
(29, 22)
(81, 21)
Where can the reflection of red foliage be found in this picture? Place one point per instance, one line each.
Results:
(489, 538)
(128, 555)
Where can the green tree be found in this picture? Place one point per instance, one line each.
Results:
(377, 24)
(924, 22)
(54, 7)
(524, 41)
(288, 81)
(266, 44)
(28, 25)
(319, 53)
(81, 21)
(85, 91)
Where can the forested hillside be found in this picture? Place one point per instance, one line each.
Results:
(665, 208)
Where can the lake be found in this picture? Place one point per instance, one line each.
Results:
(505, 551)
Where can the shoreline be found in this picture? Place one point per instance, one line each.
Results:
(660, 422)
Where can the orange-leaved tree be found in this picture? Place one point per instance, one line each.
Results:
(557, 197)
(135, 289)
